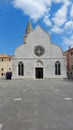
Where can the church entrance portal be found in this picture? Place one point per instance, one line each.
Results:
(39, 73)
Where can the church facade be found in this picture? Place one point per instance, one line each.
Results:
(38, 58)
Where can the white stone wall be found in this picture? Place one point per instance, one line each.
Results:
(25, 53)
(30, 65)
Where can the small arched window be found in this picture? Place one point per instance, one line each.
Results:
(20, 69)
(57, 68)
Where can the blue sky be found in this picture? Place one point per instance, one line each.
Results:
(54, 16)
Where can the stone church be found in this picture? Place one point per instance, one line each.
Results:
(37, 57)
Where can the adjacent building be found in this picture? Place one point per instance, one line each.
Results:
(38, 57)
(69, 62)
(5, 65)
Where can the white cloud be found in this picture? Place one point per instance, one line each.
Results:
(68, 41)
(35, 9)
(68, 28)
(60, 16)
(57, 1)
(56, 29)
(47, 21)
(69, 25)
(66, 2)
(44, 2)
(71, 13)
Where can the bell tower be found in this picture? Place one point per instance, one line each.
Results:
(28, 30)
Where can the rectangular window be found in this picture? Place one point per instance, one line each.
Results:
(2, 69)
(2, 59)
(1, 74)
(71, 53)
(72, 67)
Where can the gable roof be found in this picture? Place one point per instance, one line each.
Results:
(4, 56)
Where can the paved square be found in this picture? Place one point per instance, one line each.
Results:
(36, 105)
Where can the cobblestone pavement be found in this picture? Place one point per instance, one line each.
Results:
(36, 105)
